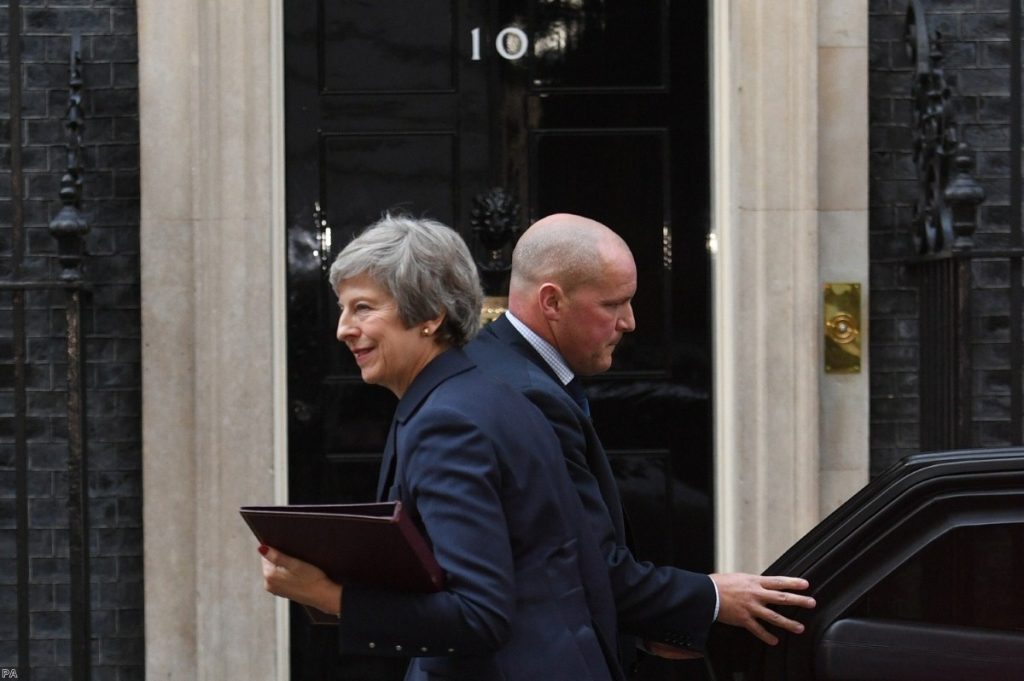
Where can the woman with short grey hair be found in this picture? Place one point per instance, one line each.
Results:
(425, 266)
(478, 469)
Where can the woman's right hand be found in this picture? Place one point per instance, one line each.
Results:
(299, 581)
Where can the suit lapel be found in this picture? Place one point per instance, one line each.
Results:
(387, 463)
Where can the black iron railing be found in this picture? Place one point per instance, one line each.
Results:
(69, 227)
(944, 224)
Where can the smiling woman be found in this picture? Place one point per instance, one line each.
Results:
(400, 274)
(388, 352)
(478, 469)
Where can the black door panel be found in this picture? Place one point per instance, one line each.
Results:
(879, 650)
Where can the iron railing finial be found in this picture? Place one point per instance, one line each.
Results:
(70, 226)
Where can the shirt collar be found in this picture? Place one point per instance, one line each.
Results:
(546, 350)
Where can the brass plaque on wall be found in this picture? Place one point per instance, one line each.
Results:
(842, 328)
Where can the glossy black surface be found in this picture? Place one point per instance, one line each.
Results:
(933, 547)
(386, 45)
(605, 114)
(582, 44)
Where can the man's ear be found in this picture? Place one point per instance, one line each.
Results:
(551, 300)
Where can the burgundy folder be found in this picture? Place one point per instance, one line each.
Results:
(370, 544)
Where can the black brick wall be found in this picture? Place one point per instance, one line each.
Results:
(976, 44)
(112, 338)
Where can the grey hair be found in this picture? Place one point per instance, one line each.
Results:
(425, 266)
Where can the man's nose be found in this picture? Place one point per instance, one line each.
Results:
(627, 322)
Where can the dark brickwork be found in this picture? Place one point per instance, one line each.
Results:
(112, 338)
(976, 44)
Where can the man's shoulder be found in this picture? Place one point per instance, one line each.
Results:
(473, 396)
(514, 367)
(509, 363)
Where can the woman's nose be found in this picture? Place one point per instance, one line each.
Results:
(345, 328)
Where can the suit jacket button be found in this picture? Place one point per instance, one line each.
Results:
(451, 650)
(398, 649)
(423, 649)
(373, 645)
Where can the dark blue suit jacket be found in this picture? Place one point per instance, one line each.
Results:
(527, 594)
(659, 603)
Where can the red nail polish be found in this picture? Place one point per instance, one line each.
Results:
(263, 549)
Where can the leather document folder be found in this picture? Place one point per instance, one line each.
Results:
(369, 544)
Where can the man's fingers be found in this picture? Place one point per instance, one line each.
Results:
(780, 591)
(783, 622)
(749, 600)
(777, 583)
(792, 599)
(755, 628)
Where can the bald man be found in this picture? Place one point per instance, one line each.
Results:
(570, 303)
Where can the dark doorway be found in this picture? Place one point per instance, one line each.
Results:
(593, 107)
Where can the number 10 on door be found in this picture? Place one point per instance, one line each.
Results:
(511, 43)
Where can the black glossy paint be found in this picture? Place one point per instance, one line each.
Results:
(605, 115)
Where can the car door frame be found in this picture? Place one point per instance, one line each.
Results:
(912, 504)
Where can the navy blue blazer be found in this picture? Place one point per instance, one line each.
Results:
(659, 603)
(527, 595)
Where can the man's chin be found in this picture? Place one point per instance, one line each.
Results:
(597, 368)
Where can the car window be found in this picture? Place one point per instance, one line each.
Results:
(970, 576)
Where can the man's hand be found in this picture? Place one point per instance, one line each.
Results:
(301, 582)
(744, 600)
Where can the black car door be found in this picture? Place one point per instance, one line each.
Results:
(918, 577)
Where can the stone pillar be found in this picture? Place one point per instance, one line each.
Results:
(210, 98)
(767, 300)
(843, 204)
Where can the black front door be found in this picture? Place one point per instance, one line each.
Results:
(587, 106)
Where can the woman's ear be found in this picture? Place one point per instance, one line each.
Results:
(430, 326)
(550, 298)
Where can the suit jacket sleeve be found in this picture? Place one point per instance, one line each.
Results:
(453, 482)
(660, 603)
